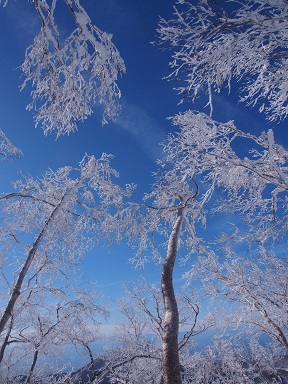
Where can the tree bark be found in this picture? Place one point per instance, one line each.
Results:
(170, 352)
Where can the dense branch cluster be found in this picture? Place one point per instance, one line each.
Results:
(71, 77)
(214, 42)
(251, 170)
(260, 297)
(140, 333)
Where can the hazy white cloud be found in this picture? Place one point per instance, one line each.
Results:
(243, 116)
(143, 127)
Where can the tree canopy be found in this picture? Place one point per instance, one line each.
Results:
(207, 169)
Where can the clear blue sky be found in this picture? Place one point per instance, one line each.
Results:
(134, 139)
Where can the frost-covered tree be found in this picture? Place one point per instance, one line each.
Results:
(257, 290)
(137, 357)
(166, 223)
(252, 183)
(173, 204)
(48, 223)
(214, 42)
(228, 360)
(70, 76)
(47, 321)
(249, 179)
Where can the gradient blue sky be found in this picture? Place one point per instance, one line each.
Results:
(134, 139)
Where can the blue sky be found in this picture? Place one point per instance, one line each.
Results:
(147, 101)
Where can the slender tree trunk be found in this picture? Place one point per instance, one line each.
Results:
(170, 352)
(25, 268)
(35, 358)
(6, 340)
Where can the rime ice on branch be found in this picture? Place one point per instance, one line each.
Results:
(214, 42)
(7, 149)
(254, 184)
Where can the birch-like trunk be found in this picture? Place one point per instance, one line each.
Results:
(170, 352)
(16, 291)
(6, 339)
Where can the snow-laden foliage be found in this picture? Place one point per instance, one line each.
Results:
(70, 208)
(251, 171)
(216, 41)
(7, 149)
(70, 77)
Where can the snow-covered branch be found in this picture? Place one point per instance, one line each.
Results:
(249, 171)
(71, 77)
(259, 288)
(216, 42)
(7, 149)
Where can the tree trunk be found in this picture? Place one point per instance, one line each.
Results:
(25, 268)
(170, 352)
(6, 340)
(35, 357)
